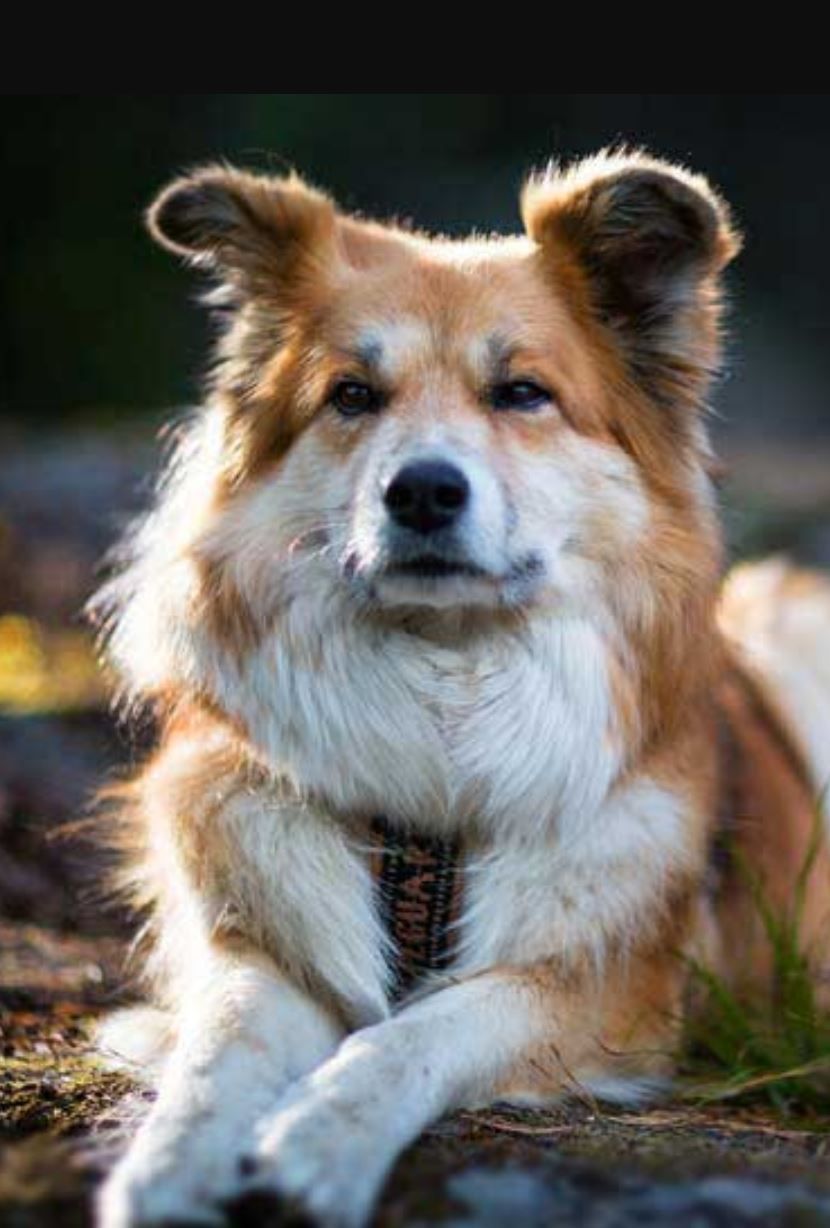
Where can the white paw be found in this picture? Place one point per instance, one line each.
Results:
(138, 1194)
(321, 1154)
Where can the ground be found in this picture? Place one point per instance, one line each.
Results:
(579, 1166)
(62, 953)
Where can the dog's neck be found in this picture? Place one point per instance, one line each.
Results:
(517, 732)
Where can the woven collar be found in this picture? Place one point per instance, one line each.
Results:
(419, 885)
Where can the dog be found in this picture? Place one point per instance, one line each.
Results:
(459, 724)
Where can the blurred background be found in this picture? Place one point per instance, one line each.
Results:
(100, 339)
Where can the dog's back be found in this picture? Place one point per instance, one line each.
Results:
(770, 847)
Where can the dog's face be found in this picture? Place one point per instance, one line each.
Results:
(483, 424)
(452, 450)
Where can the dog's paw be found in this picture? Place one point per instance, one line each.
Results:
(318, 1156)
(139, 1195)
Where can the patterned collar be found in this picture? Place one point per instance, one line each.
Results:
(419, 884)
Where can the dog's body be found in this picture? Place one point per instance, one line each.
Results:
(443, 548)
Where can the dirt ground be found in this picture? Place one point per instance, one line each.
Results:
(62, 954)
(60, 1113)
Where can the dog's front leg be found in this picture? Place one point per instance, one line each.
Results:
(245, 1034)
(338, 1131)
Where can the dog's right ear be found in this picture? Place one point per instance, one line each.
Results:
(252, 230)
(644, 242)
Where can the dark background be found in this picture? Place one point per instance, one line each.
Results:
(95, 323)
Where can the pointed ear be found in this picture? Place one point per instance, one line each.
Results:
(253, 230)
(649, 240)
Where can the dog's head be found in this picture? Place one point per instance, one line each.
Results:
(408, 423)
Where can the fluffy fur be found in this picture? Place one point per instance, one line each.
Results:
(552, 691)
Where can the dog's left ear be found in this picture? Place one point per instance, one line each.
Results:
(256, 232)
(647, 241)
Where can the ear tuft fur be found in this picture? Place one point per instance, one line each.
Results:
(648, 240)
(623, 207)
(240, 223)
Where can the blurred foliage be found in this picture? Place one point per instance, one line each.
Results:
(46, 671)
(93, 319)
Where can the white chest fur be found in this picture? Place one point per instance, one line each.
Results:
(509, 744)
(513, 734)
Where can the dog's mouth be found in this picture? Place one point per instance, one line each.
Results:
(434, 567)
(434, 579)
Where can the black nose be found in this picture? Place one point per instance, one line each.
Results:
(426, 495)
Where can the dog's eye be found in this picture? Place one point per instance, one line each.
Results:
(518, 394)
(351, 397)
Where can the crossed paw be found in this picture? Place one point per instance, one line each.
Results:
(314, 1153)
